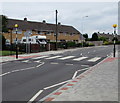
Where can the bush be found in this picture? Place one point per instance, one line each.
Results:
(106, 43)
(91, 44)
(71, 44)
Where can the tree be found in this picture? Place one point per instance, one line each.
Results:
(3, 21)
(2, 43)
(94, 37)
(85, 36)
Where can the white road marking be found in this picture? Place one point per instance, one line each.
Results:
(74, 74)
(40, 57)
(94, 59)
(82, 69)
(54, 63)
(81, 54)
(56, 85)
(69, 64)
(67, 57)
(38, 61)
(53, 57)
(27, 68)
(88, 52)
(80, 58)
(4, 74)
(13, 71)
(85, 65)
(25, 61)
(78, 71)
(35, 96)
(40, 64)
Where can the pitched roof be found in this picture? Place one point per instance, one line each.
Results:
(110, 36)
(40, 26)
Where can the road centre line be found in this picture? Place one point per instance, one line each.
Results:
(35, 96)
(69, 64)
(54, 63)
(85, 65)
(4, 74)
(13, 71)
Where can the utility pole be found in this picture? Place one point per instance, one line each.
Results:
(56, 31)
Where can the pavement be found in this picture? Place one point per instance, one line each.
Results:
(99, 83)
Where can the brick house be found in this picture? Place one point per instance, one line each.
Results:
(108, 36)
(65, 32)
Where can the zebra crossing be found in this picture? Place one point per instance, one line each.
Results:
(59, 57)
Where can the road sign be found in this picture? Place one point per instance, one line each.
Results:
(28, 33)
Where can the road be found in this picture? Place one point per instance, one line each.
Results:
(34, 78)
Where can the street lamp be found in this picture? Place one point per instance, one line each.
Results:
(56, 31)
(16, 26)
(114, 50)
(82, 28)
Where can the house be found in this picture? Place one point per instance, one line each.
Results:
(108, 36)
(65, 33)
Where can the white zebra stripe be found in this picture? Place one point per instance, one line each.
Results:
(67, 57)
(80, 58)
(40, 57)
(53, 57)
(94, 59)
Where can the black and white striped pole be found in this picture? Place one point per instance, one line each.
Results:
(114, 49)
(16, 28)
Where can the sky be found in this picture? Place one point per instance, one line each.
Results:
(87, 17)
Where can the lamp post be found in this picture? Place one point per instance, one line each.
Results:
(114, 49)
(11, 40)
(16, 28)
(82, 28)
(56, 31)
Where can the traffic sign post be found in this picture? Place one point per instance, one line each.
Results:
(27, 35)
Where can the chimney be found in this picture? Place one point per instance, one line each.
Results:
(44, 21)
(25, 19)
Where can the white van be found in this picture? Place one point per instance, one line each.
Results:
(38, 39)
